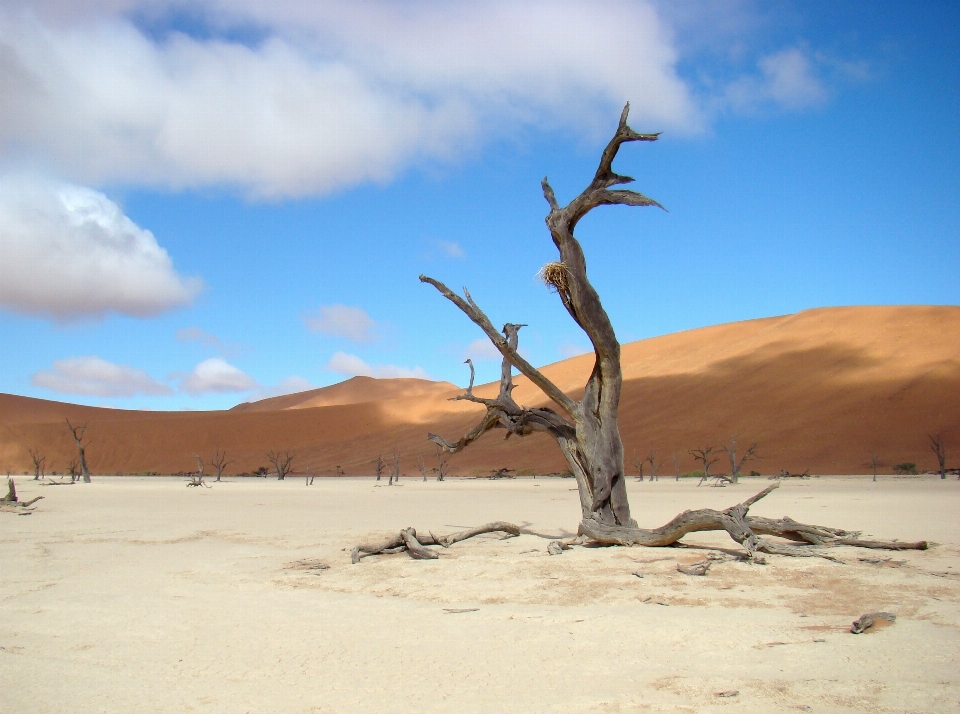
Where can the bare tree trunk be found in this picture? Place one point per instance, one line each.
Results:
(220, 461)
(395, 472)
(676, 464)
(652, 459)
(380, 466)
(940, 451)
(78, 432)
(422, 466)
(441, 460)
(38, 460)
(282, 463)
(703, 455)
(873, 463)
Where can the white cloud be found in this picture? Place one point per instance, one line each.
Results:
(195, 334)
(450, 249)
(342, 321)
(352, 366)
(217, 375)
(287, 385)
(337, 93)
(70, 252)
(787, 79)
(482, 349)
(97, 377)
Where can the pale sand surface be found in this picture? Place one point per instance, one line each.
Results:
(143, 595)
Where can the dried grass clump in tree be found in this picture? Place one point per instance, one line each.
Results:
(555, 275)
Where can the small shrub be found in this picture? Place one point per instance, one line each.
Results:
(755, 473)
(692, 474)
(907, 467)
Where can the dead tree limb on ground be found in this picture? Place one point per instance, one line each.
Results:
(282, 463)
(12, 504)
(940, 451)
(77, 432)
(38, 461)
(416, 545)
(587, 430)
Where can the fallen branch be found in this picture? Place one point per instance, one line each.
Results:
(11, 504)
(416, 545)
(746, 531)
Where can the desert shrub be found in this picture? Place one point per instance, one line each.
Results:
(755, 473)
(525, 472)
(907, 467)
(692, 474)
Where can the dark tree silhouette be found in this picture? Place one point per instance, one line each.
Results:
(282, 463)
(78, 433)
(940, 451)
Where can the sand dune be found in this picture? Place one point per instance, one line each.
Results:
(822, 389)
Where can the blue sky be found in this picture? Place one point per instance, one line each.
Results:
(206, 203)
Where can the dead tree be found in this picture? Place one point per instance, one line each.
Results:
(586, 430)
(78, 432)
(703, 455)
(735, 463)
(873, 463)
(422, 466)
(395, 471)
(638, 465)
(73, 468)
(940, 451)
(676, 464)
(38, 461)
(282, 463)
(219, 461)
(441, 463)
(197, 479)
(652, 460)
(381, 464)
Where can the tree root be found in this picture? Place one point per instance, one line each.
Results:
(416, 545)
(745, 530)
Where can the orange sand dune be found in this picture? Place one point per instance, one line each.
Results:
(823, 389)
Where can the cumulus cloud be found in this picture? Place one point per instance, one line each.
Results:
(342, 321)
(97, 377)
(482, 349)
(70, 252)
(787, 79)
(352, 366)
(216, 375)
(330, 95)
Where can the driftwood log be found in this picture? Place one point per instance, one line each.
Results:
(586, 430)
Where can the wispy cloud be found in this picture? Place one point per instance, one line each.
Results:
(94, 376)
(69, 252)
(787, 79)
(481, 349)
(287, 385)
(450, 249)
(569, 349)
(353, 366)
(216, 375)
(343, 321)
(207, 339)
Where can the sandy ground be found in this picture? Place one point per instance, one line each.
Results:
(143, 595)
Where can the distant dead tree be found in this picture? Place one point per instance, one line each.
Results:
(873, 462)
(940, 451)
(381, 465)
(703, 455)
(395, 471)
(78, 432)
(441, 463)
(219, 461)
(735, 463)
(38, 461)
(676, 464)
(638, 465)
(197, 479)
(282, 463)
(73, 468)
(422, 466)
(308, 477)
(652, 460)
